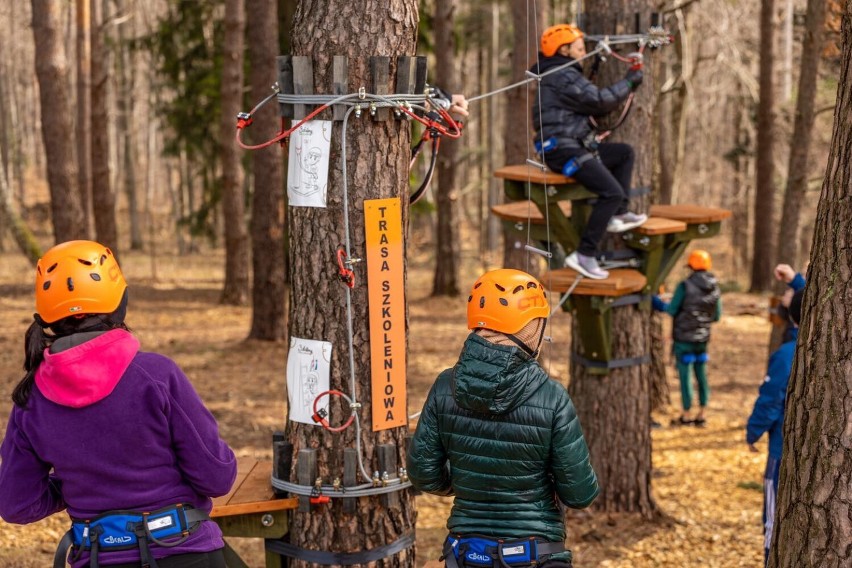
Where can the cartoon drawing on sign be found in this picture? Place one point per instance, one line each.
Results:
(309, 148)
(307, 377)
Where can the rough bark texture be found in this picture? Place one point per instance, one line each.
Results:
(11, 221)
(377, 162)
(236, 286)
(269, 265)
(615, 410)
(447, 248)
(764, 195)
(527, 23)
(103, 195)
(57, 131)
(799, 165)
(813, 514)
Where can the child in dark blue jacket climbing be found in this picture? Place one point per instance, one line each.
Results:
(768, 415)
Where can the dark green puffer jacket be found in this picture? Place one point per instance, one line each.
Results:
(504, 438)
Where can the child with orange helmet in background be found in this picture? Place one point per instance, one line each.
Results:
(116, 436)
(501, 436)
(695, 306)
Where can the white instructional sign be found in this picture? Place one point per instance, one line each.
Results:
(307, 173)
(308, 364)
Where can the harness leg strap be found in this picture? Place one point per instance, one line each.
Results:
(60, 558)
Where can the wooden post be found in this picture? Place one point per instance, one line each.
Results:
(380, 76)
(388, 464)
(405, 78)
(282, 459)
(303, 83)
(340, 83)
(350, 476)
(306, 473)
(285, 82)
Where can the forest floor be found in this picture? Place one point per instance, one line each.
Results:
(706, 483)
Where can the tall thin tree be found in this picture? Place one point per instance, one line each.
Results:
(57, 130)
(812, 525)
(236, 286)
(83, 125)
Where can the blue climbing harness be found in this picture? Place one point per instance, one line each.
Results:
(477, 551)
(123, 530)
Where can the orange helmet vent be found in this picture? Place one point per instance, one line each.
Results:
(556, 36)
(76, 278)
(506, 300)
(700, 260)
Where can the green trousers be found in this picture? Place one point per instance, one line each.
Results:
(688, 356)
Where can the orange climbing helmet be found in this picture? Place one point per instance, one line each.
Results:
(700, 260)
(506, 300)
(77, 278)
(556, 36)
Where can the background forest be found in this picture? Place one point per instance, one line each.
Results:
(117, 123)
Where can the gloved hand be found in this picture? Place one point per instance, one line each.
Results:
(634, 77)
(658, 304)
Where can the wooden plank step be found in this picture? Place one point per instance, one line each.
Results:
(621, 281)
(252, 492)
(660, 226)
(523, 211)
(690, 214)
(526, 172)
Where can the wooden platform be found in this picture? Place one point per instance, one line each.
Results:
(523, 211)
(252, 492)
(526, 172)
(660, 226)
(621, 281)
(690, 214)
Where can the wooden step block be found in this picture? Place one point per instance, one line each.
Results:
(252, 492)
(621, 281)
(660, 226)
(526, 172)
(690, 214)
(523, 211)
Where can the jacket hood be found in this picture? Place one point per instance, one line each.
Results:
(705, 281)
(494, 379)
(545, 63)
(88, 372)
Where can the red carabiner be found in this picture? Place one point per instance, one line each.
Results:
(347, 276)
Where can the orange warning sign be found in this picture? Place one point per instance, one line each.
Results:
(386, 292)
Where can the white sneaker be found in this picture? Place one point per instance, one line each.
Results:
(586, 265)
(625, 222)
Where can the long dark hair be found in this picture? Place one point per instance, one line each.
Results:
(37, 339)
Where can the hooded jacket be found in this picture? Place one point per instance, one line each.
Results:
(108, 427)
(505, 440)
(695, 305)
(567, 99)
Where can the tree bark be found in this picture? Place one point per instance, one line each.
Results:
(799, 164)
(615, 409)
(377, 163)
(57, 131)
(269, 264)
(103, 196)
(812, 518)
(236, 286)
(11, 221)
(764, 195)
(447, 249)
(84, 111)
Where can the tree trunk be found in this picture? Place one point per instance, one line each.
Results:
(57, 131)
(269, 264)
(764, 195)
(103, 197)
(615, 409)
(527, 19)
(9, 219)
(377, 164)
(799, 165)
(812, 518)
(236, 287)
(84, 111)
(447, 248)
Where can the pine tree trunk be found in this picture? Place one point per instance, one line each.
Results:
(84, 110)
(269, 264)
(54, 86)
(236, 286)
(812, 526)
(615, 409)
(103, 196)
(377, 165)
(445, 282)
(764, 195)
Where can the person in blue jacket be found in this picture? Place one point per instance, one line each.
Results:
(795, 282)
(768, 415)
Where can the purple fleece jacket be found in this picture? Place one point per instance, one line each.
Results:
(109, 427)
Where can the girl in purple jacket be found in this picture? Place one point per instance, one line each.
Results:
(116, 436)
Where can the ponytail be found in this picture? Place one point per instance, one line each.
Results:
(35, 342)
